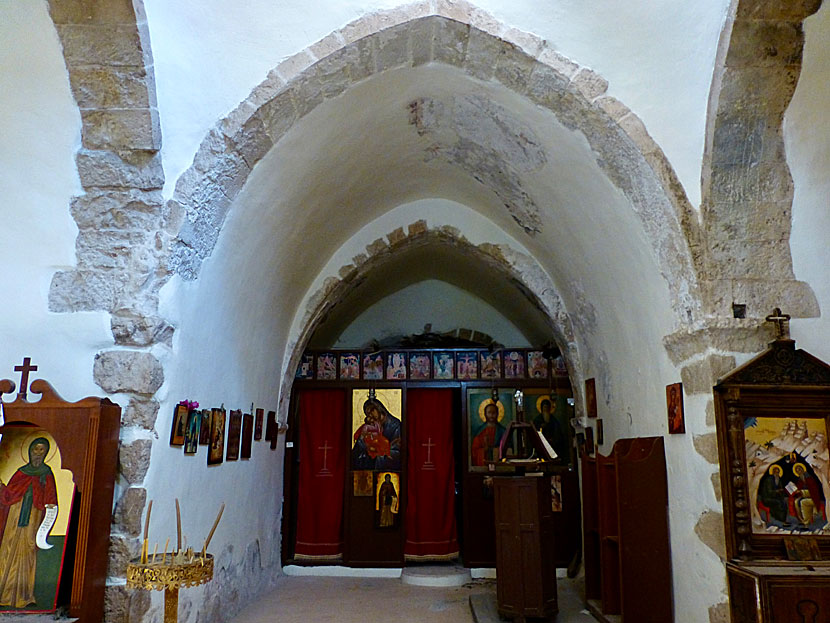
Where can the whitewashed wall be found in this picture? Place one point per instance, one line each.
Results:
(40, 130)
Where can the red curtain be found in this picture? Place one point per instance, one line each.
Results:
(323, 454)
(430, 505)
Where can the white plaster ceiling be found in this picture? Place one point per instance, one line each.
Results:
(358, 156)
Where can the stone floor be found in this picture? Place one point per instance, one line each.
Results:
(357, 600)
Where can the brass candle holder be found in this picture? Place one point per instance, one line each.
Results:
(170, 571)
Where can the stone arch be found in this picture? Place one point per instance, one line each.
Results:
(521, 270)
(747, 188)
(464, 37)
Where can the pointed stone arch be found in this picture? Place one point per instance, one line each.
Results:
(484, 51)
(522, 271)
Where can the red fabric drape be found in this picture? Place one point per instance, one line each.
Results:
(430, 505)
(323, 454)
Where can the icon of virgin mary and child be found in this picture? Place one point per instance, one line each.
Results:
(377, 442)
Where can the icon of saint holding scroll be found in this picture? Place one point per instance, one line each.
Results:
(30, 495)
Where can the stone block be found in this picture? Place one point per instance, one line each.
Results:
(135, 169)
(378, 246)
(82, 290)
(716, 486)
(761, 296)
(590, 84)
(129, 511)
(527, 41)
(252, 142)
(546, 86)
(294, 65)
(793, 10)
(739, 89)
(482, 53)
(129, 210)
(559, 63)
(450, 42)
(134, 460)
(757, 43)
(360, 259)
(751, 259)
(127, 371)
(421, 38)
(136, 128)
(709, 529)
(739, 137)
(396, 236)
(123, 605)
(278, 115)
(327, 45)
(121, 551)
(513, 68)
(92, 11)
(701, 376)
(614, 107)
(710, 413)
(719, 613)
(392, 47)
(131, 329)
(417, 228)
(733, 184)
(707, 447)
(775, 182)
(109, 248)
(102, 86)
(347, 272)
(140, 412)
(94, 44)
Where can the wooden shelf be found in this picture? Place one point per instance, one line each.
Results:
(625, 515)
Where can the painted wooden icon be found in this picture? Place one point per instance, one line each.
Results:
(191, 433)
(550, 414)
(363, 486)
(350, 366)
(537, 364)
(216, 451)
(396, 366)
(260, 417)
(204, 427)
(179, 425)
(376, 429)
(514, 364)
(443, 365)
(35, 505)
(591, 398)
(491, 365)
(467, 365)
(419, 368)
(234, 435)
(373, 366)
(326, 367)
(305, 369)
(788, 474)
(487, 421)
(387, 499)
(247, 435)
(674, 404)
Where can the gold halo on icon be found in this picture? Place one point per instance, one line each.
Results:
(776, 468)
(489, 401)
(542, 398)
(802, 466)
(24, 447)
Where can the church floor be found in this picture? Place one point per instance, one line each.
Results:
(357, 600)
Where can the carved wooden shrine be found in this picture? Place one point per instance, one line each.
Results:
(772, 420)
(87, 434)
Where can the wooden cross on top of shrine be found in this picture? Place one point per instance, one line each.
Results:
(24, 370)
(782, 324)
